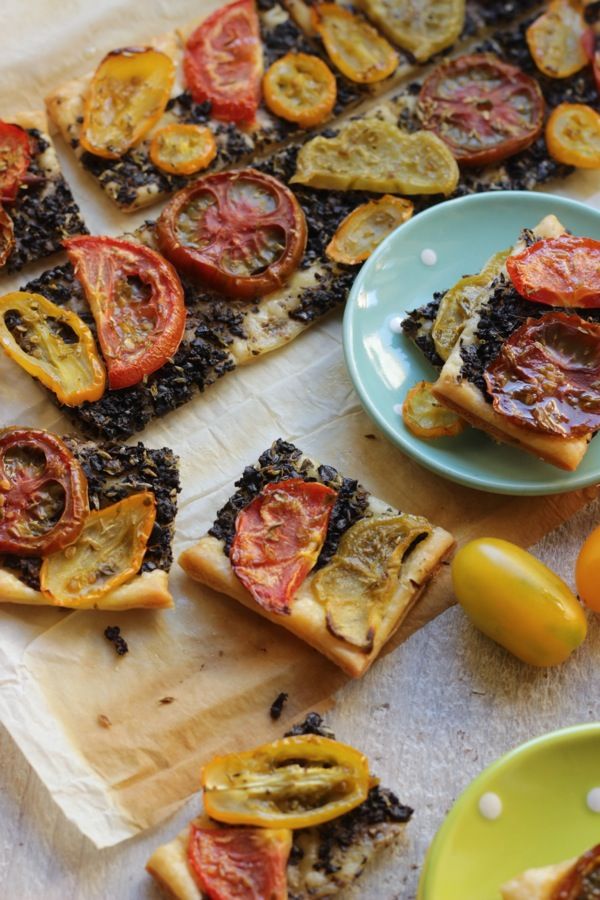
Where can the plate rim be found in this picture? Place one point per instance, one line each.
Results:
(525, 749)
(509, 487)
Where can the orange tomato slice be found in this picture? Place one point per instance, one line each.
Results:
(556, 39)
(573, 135)
(183, 149)
(354, 46)
(301, 89)
(426, 417)
(365, 228)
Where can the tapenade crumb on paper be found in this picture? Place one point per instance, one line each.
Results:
(113, 633)
(277, 705)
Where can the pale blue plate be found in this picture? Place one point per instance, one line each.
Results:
(384, 365)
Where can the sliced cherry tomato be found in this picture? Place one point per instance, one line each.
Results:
(54, 345)
(365, 228)
(547, 374)
(587, 571)
(560, 271)
(484, 109)
(424, 27)
(240, 863)
(556, 39)
(278, 538)
(354, 46)
(7, 236)
(183, 149)
(582, 882)
(108, 552)
(295, 782)
(240, 232)
(15, 157)
(573, 135)
(127, 96)
(43, 493)
(301, 89)
(425, 416)
(223, 62)
(137, 301)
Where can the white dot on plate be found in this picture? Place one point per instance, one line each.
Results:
(396, 324)
(490, 806)
(593, 799)
(428, 257)
(398, 409)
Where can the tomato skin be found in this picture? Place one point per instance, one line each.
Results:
(517, 601)
(300, 88)
(223, 62)
(573, 135)
(7, 236)
(587, 571)
(560, 271)
(15, 157)
(134, 342)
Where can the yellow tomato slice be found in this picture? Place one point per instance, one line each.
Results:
(183, 149)
(555, 39)
(300, 88)
(426, 417)
(53, 344)
(127, 96)
(423, 27)
(354, 46)
(295, 782)
(365, 228)
(373, 155)
(107, 553)
(573, 135)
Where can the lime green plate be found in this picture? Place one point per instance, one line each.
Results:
(383, 365)
(543, 787)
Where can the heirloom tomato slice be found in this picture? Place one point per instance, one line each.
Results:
(7, 236)
(573, 135)
(484, 109)
(15, 157)
(240, 232)
(278, 538)
(137, 301)
(582, 882)
(183, 149)
(295, 782)
(223, 62)
(43, 493)
(557, 39)
(301, 89)
(366, 226)
(560, 271)
(425, 416)
(240, 863)
(423, 27)
(547, 374)
(353, 46)
(127, 96)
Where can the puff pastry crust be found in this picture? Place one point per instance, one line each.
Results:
(535, 884)
(150, 590)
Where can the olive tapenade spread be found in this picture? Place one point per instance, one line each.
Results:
(115, 471)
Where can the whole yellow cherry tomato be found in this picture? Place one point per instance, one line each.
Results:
(587, 571)
(517, 601)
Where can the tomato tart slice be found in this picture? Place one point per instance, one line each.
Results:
(574, 879)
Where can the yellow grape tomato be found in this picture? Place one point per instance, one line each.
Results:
(587, 571)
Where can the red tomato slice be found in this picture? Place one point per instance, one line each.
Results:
(15, 156)
(484, 109)
(7, 236)
(137, 301)
(547, 374)
(278, 538)
(223, 62)
(240, 863)
(560, 271)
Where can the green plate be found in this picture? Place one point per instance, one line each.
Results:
(543, 786)
(384, 365)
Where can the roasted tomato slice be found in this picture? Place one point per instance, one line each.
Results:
(127, 96)
(137, 301)
(582, 882)
(278, 538)
(423, 27)
(223, 62)
(7, 236)
(295, 782)
(547, 374)
(53, 344)
(353, 46)
(15, 157)
(484, 109)
(183, 149)
(301, 89)
(426, 417)
(365, 228)
(240, 232)
(573, 135)
(560, 271)
(240, 863)
(108, 552)
(557, 39)
(43, 493)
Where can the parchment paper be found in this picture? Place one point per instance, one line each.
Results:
(215, 666)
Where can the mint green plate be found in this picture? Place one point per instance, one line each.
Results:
(543, 786)
(384, 365)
